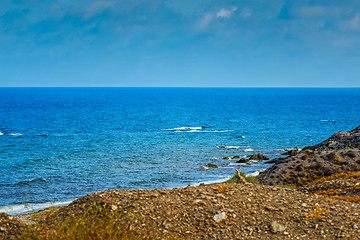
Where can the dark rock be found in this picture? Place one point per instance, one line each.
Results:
(258, 157)
(242, 160)
(235, 157)
(275, 160)
(291, 152)
(338, 141)
(210, 165)
(333, 156)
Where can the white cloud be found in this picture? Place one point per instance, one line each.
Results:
(97, 8)
(224, 13)
(245, 13)
(354, 23)
(208, 17)
(205, 20)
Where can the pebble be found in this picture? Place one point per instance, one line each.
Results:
(275, 227)
(220, 217)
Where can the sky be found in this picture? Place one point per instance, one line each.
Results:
(179, 43)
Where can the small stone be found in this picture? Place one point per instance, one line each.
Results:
(355, 226)
(114, 207)
(275, 227)
(220, 217)
(2, 229)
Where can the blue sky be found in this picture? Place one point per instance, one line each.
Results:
(180, 43)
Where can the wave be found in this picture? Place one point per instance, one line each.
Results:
(256, 173)
(248, 150)
(1, 134)
(195, 129)
(30, 207)
(325, 120)
(15, 134)
(183, 129)
(213, 181)
(229, 147)
(30, 181)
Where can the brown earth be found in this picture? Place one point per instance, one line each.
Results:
(187, 213)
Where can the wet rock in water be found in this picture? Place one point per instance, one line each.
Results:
(226, 158)
(275, 227)
(242, 160)
(291, 152)
(258, 157)
(220, 217)
(235, 157)
(210, 165)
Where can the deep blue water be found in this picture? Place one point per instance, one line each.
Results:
(62, 143)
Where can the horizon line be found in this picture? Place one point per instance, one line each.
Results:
(175, 87)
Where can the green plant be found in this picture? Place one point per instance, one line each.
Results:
(249, 179)
(347, 148)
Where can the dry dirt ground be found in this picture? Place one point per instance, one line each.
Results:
(188, 213)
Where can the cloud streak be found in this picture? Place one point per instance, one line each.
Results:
(207, 18)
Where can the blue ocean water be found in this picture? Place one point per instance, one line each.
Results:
(58, 144)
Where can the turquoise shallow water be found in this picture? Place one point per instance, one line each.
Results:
(57, 144)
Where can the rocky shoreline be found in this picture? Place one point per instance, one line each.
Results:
(310, 194)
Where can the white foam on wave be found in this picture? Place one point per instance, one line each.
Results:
(237, 164)
(183, 129)
(1, 133)
(325, 120)
(195, 129)
(229, 147)
(248, 150)
(256, 173)
(31, 207)
(212, 181)
(217, 131)
(15, 134)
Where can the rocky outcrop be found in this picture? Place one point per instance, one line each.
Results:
(339, 140)
(308, 166)
(338, 154)
(257, 157)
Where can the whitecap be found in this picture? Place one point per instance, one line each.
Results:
(228, 147)
(237, 164)
(30, 207)
(256, 173)
(182, 129)
(248, 150)
(1, 134)
(15, 134)
(213, 181)
(217, 131)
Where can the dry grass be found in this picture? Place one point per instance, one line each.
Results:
(95, 221)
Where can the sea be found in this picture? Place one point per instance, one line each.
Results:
(58, 144)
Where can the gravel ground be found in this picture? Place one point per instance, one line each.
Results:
(250, 212)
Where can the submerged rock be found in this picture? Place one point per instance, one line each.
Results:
(210, 165)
